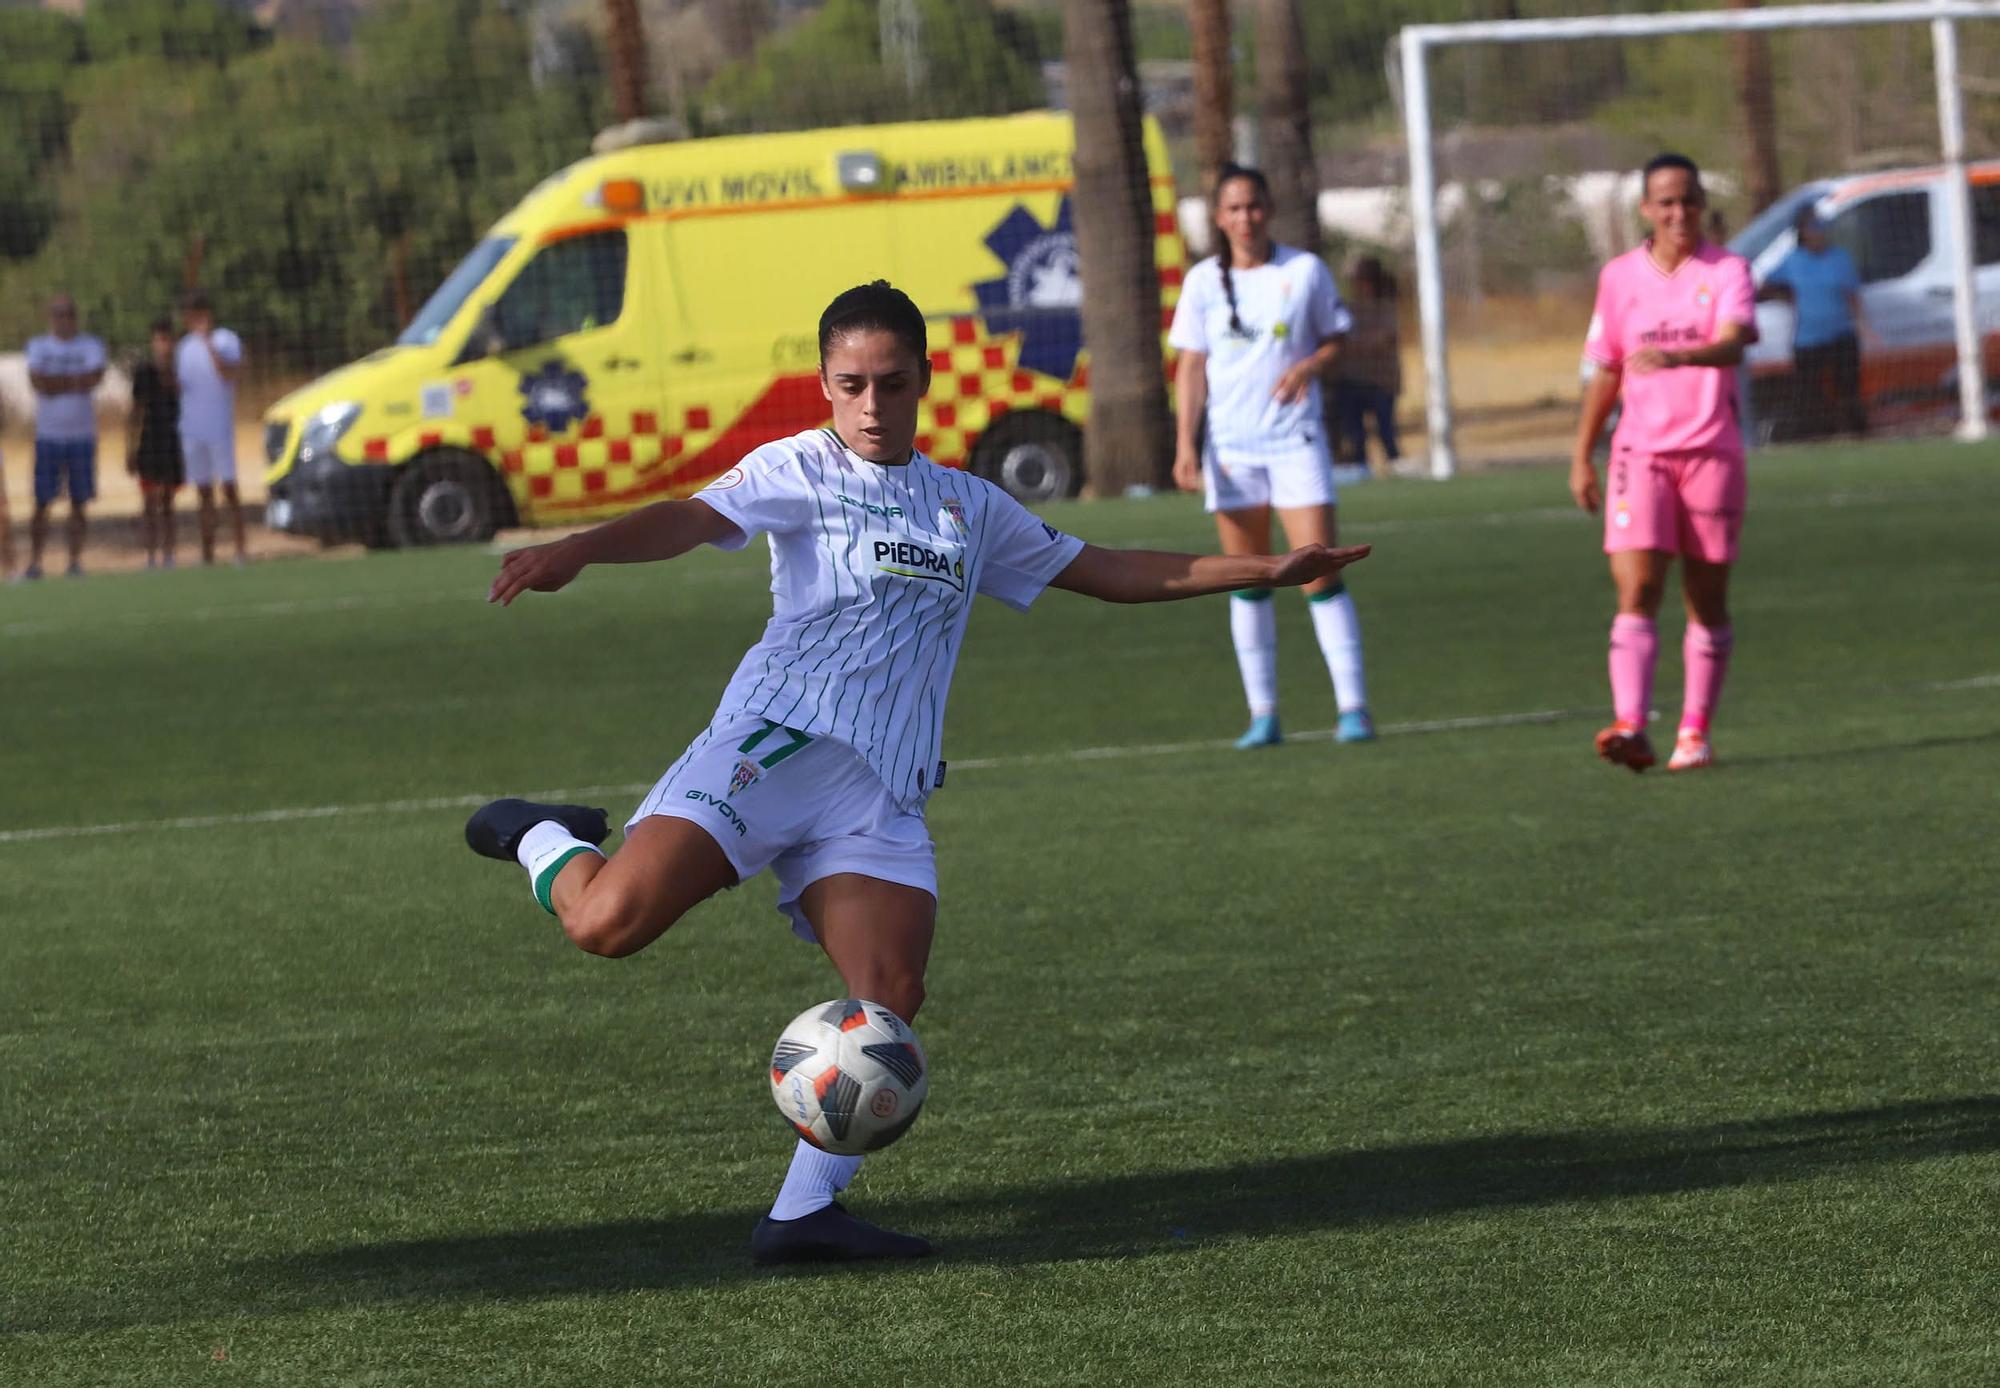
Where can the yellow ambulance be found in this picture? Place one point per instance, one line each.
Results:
(646, 317)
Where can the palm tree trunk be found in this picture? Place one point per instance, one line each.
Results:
(1757, 108)
(1214, 87)
(625, 37)
(1129, 442)
(1286, 121)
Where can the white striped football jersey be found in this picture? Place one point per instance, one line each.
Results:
(873, 570)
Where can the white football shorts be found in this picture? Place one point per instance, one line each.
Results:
(805, 807)
(1285, 475)
(208, 461)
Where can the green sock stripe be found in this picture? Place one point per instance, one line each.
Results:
(545, 883)
(1252, 595)
(1330, 594)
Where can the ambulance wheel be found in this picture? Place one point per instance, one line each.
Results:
(1033, 455)
(447, 498)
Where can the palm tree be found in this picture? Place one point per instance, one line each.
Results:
(1130, 439)
(1214, 94)
(625, 37)
(1286, 124)
(1750, 55)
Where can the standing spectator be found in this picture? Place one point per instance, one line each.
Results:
(206, 364)
(1371, 364)
(153, 443)
(1818, 279)
(64, 366)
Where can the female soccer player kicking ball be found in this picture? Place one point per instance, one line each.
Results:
(1672, 320)
(825, 746)
(1255, 327)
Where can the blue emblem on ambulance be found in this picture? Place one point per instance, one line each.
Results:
(552, 396)
(1041, 294)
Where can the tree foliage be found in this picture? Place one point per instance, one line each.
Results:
(830, 70)
(290, 178)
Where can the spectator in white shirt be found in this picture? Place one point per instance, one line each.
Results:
(206, 363)
(64, 366)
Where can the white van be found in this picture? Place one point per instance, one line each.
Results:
(1896, 226)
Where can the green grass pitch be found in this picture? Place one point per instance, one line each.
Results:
(1455, 1059)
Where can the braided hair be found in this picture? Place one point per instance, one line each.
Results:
(1255, 177)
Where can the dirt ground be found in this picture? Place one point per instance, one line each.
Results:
(1516, 400)
(113, 541)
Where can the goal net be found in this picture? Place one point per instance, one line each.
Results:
(1880, 124)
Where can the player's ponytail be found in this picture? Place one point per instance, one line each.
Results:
(1255, 178)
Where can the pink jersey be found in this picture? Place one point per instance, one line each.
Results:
(1682, 409)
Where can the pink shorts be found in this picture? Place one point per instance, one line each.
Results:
(1680, 503)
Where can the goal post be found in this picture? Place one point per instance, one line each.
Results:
(1418, 43)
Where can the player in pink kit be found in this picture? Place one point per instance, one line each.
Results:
(1673, 317)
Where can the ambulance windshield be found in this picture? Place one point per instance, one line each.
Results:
(439, 309)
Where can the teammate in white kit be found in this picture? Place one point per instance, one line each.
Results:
(825, 746)
(1256, 326)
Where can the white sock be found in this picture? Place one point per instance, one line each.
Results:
(1339, 633)
(543, 851)
(1253, 627)
(814, 1179)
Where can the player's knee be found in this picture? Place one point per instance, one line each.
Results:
(899, 989)
(611, 922)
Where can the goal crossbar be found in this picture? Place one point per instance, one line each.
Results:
(1417, 40)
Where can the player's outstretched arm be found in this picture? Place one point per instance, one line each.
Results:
(664, 530)
(1148, 575)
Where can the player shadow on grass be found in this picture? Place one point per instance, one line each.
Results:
(1162, 1213)
(1157, 1213)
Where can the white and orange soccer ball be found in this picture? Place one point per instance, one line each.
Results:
(849, 1076)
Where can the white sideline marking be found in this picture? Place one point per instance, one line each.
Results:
(472, 801)
(1543, 515)
(1075, 754)
(1167, 749)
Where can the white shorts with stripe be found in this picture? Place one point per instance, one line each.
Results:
(1286, 475)
(805, 807)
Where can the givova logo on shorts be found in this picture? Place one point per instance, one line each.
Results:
(723, 808)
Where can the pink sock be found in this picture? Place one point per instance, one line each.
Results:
(1635, 646)
(1705, 653)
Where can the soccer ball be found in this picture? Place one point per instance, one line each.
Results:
(849, 1076)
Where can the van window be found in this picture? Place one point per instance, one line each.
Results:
(1887, 236)
(1774, 220)
(457, 288)
(574, 284)
(1986, 224)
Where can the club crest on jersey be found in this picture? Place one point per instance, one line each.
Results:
(745, 777)
(952, 513)
(1703, 295)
